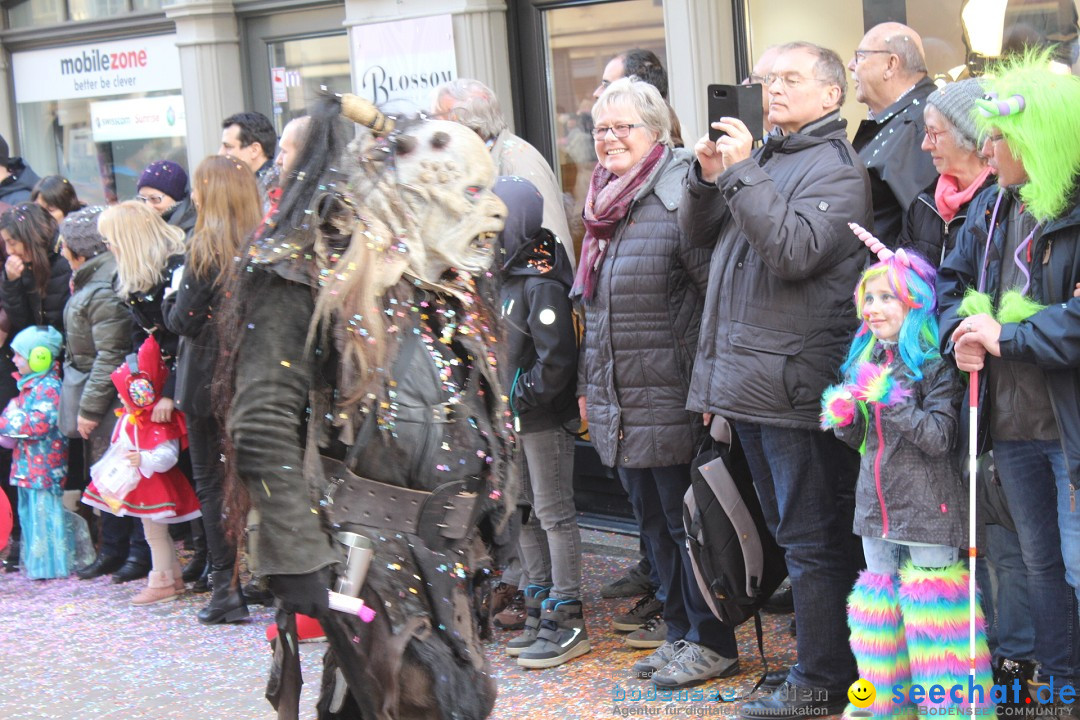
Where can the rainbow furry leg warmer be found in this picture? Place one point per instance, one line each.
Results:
(935, 606)
(878, 644)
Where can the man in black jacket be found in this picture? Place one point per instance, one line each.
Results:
(889, 70)
(776, 325)
(16, 177)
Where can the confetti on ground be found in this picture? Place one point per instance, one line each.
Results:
(77, 649)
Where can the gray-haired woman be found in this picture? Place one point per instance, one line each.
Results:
(642, 286)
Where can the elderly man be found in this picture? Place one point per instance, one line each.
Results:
(475, 106)
(761, 71)
(776, 324)
(889, 70)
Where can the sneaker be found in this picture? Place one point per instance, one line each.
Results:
(693, 664)
(633, 582)
(562, 636)
(652, 634)
(513, 615)
(657, 659)
(535, 595)
(645, 608)
(782, 601)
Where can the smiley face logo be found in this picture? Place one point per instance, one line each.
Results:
(861, 693)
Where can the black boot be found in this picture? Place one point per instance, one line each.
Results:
(196, 567)
(227, 601)
(202, 583)
(11, 563)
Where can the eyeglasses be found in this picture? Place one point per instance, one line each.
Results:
(790, 80)
(620, 131)
(152, 199)
(757, 79)
(933, 135)
(860, 55)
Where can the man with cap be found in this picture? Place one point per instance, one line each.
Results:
(889, 70)
(935, 217)
(16, 177)
(163, 186)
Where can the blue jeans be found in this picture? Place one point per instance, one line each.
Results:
(805, 480)
(645, 547)
(1036, 485)
(1002, 576)
(657, 496)
(886, 557)
(550, 542)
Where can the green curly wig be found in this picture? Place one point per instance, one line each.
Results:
(1044, 133)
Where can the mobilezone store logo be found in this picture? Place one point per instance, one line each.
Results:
(971, 699)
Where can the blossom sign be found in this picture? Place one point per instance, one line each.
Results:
(397, 65)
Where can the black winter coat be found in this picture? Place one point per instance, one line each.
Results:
(890, 148)
(539, 368)
(189, 313)
(146, 310)
(641, 332)
(1049, 339)
(17, 187)
(920, 496)
(926, 232)
(24, 304)
(182, 215)
(778, 314)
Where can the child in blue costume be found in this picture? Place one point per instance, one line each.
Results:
(29, 425)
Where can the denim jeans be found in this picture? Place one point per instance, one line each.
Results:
(886, 557)
(1002, 576)
(1036, 485)
(657, 496)
(806, 483)
(550, 542)
(645, 547)
(208, 472)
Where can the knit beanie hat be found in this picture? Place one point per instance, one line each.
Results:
(36, 336)
(956, 101)
(80, 232)
(166, 176)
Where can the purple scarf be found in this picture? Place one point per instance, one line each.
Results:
(606, 205)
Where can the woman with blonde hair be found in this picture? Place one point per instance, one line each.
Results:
(229, 210)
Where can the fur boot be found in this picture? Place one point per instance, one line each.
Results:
(159, 588)
(935, 606)
(878, 644)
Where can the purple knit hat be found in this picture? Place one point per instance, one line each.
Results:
(165, 176)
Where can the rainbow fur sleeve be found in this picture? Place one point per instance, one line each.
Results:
(875, 383)
(837, 407)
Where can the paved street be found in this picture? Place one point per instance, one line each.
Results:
(77, 649)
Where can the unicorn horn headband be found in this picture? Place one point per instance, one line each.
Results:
(877, 247)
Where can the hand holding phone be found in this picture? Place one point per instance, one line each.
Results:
(737, 101)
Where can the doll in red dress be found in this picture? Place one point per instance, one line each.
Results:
(163, 494)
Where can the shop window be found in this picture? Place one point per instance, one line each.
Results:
(31, 13)
(299, 68)
(36, 12)
(959, 36)
(580, 42)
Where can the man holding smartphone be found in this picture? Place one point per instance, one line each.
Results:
(775, 328)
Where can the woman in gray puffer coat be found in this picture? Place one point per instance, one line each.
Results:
(642, 287)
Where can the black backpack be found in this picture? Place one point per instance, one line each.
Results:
(735, 559)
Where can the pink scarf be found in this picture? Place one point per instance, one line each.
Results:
(606, 205)
(949, 198)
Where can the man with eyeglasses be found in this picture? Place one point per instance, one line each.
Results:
(163, 187)
(889, 70)
(761, 69)
(775, 327)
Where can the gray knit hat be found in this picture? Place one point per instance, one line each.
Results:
(80, 232)
(956, 101)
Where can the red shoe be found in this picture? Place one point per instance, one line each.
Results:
(308, 630)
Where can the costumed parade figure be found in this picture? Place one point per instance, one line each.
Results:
(899, 405)
(366, 414)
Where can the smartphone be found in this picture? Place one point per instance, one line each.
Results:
(739, 101)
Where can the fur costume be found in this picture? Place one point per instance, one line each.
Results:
(395, 245)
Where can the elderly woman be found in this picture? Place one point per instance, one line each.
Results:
(642, 288)
(953, 143)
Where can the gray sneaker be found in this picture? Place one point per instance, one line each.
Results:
(633, 582)
(645, 608)
(659, 658)
(534, 598)
(693, 664)
(562, 636)
(652, 634)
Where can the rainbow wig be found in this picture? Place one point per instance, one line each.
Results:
(1034, 108)
(911, 278)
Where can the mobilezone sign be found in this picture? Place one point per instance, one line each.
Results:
(119, 67)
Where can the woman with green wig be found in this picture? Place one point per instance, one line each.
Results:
(1006, 294)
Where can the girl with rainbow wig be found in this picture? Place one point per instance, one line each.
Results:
(899, 404)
